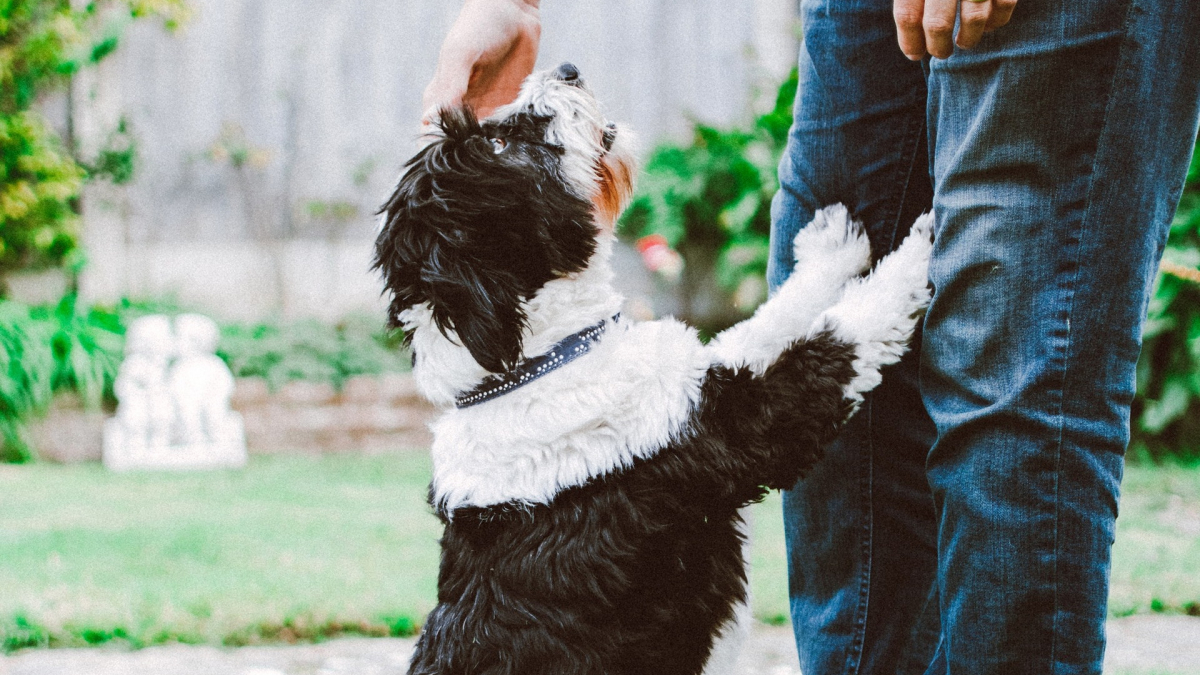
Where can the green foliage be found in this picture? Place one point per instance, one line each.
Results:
(20, 633)
(311, 350)
(1166, 411)
(86, 345)
(26, 371)
(42, 43)
(38, 183)
(711, 201)
(47, 350)
(116, 160)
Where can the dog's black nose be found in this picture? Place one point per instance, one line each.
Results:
(568, 73)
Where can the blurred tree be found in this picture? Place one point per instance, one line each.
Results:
(42, 44)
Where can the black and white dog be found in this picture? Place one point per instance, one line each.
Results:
(589, 469)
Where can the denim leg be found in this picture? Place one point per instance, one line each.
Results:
(1058, 152)
(860, 528)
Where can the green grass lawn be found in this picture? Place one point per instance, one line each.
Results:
(306, 547)
(290, 547)
(1156, 559)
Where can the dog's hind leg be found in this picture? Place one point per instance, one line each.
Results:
(877, 313)
(830, 251)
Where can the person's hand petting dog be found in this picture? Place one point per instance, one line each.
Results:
(490, 50)
(927, 26)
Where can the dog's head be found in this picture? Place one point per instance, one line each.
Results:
(491, 210)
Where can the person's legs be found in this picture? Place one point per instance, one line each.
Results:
(1059, 146)
(860, 528)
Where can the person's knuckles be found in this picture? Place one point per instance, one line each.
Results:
(910, 33)
(937, 27)
(1002, 12)
(907, 17)
(912, 45)
(974, 14)
(972, 22)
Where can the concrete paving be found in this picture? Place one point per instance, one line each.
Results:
(1142, 645)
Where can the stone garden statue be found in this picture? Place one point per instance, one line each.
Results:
(173, 396)
(200, 382)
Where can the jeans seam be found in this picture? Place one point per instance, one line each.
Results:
(854, 655)
(908, 154)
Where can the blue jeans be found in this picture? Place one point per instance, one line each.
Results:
(963, 522)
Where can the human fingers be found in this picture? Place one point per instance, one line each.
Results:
(462, 48)
(497, 78)
(938, 21)
(1002, 11)
(910, 32)
(446, 89)
(488, 51)
(972, 19)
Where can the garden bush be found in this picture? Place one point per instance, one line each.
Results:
(312, 350)
(46, 350)
(1166, 411)
(710, 201)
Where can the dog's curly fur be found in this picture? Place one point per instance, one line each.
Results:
(591, 516)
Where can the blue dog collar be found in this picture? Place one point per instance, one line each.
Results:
(563, 352)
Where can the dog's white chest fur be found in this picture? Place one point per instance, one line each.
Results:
(625, 399)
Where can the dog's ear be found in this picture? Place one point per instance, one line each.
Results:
(425, 258)
(471, 297)
(482, 305)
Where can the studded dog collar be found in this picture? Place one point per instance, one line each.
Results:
(563, 352)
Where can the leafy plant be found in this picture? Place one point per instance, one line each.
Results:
(46, 350)
(38, 223)
(42, 43)
(711, 201)
(116, 159)
(86, 345)
(311, 350)
(1167, 407)
(26, 371)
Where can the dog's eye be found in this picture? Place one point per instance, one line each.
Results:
(498, 145)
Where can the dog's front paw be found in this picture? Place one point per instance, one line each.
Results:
(908, 265)
(878, 313)
(833, 244)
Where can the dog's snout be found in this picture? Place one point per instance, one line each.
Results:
(568, 73)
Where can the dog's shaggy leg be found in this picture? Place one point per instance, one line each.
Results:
(877, 313)
(830, 251)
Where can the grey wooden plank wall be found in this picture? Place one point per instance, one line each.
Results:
(268, 131)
